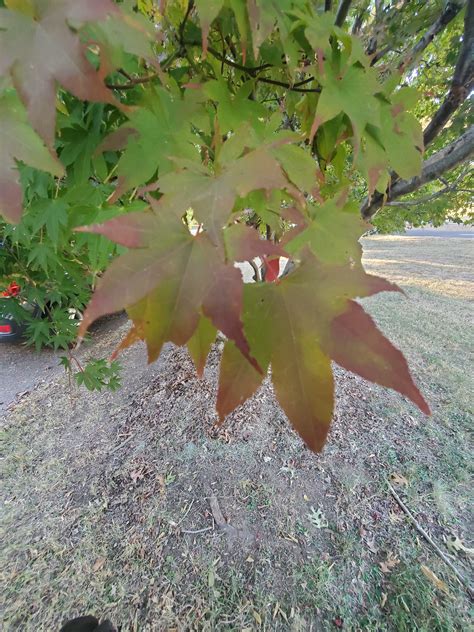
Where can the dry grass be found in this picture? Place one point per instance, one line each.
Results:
(102, 492)
(440, 266)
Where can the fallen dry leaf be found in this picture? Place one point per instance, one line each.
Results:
(390, 563)
(257, 617)
(100, 561)
(395, 517)
(383, 601)
(434, 579)
(398, 479)
(456, 545)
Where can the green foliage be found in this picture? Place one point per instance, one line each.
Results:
(96, 375)
(173, 131)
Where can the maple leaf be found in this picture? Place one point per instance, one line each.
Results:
(244, 244)
(207, 10)
(263, 15)
(238, 380)
(390, 563)
(362, 107)
(396, 144)
(200, 343)
(213, 195)
(168, 282)
(41, 50)
(232, 109)
(297, 325)
(152, 137)
(19, 142)
(333, 233)
(402, 135)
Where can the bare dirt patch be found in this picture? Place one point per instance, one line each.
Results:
(110, 499)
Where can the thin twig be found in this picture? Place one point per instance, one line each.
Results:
(195, 531)
(186, 513)
(253, 71)
(429, 539)
(182, 26)
(121, 445)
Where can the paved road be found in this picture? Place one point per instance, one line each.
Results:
(449, 231)
(22, 368)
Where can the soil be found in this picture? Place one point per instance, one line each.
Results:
(138, 507)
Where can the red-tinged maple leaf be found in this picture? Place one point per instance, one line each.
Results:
(168, 282)
(238, 381)
(244, 244)
(42, 50)
(292, 325)
(19, 142)
(359, 346)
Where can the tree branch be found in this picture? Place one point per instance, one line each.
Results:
(428, 198)
(182, 26)
(253, 71)
(444, 160)
(359, 19)
(250, 70)
(450, 12)
(327, 5)
(293, 88)
(462, 83)
(342, 12)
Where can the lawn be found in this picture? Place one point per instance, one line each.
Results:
(135, 506)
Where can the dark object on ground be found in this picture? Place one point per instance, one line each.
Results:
(87, 624)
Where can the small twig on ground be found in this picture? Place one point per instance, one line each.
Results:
(121, 445)
(186, 513)
(217, 513)
(195, 531)
(219, 519)
(429, 539)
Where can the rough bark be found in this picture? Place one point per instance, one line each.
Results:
(342, 12)
(463, 80)
(441, 162)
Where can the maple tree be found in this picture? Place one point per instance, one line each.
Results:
(189, 136)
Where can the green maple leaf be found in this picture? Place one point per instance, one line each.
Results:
(124, 32)
(397, 144)
(40, 49)
(299, 324)
(19, 142)
(153, 136)
(200, 343)
(263, 16)
(213, 195)
(207, 10)
(233, 110)
(351, 91)
(402, 135)
(333, 233)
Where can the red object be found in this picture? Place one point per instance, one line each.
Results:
(272, 269)
(12, 290)
(5, 329)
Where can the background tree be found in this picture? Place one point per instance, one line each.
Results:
(200, 134)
